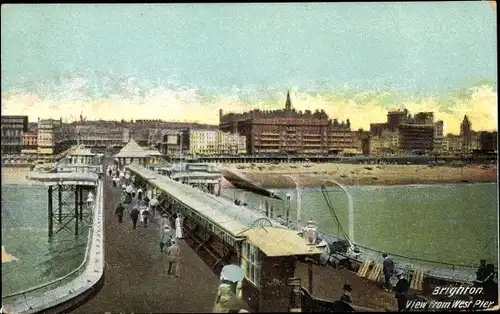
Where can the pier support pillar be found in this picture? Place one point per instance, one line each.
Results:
(59, 196)
(81, 201)
(50, 213)
(76, 209)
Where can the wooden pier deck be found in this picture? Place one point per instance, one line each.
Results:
(135, 274)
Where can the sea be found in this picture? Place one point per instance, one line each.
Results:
(448, 223)
(25, 236)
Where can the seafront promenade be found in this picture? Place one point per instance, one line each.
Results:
(135, 273)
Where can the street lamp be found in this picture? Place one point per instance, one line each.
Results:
(351, 210)
(288, 198)
(299, 201)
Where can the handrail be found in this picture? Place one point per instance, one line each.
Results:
(84, 262)
(422, 260)
(407, 257)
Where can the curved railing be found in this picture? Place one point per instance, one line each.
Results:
(58, 280)
(62, 289)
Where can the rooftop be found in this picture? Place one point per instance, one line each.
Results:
(239, 221)
(67, 178)
(132, 150)
(279, 242)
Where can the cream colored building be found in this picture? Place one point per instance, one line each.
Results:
(215, 142)
(49, 136)
(452, 145)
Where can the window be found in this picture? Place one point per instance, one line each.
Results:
(251, 264)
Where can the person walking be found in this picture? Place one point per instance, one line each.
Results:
(145, 216)
(119, 212)
(401, 290)
(166, 239)
(134, 215)
(174, 255)
(388, 270)
(178, 226)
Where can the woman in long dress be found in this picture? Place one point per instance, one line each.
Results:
(178, 227)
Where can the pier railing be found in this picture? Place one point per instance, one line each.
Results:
(72, 284)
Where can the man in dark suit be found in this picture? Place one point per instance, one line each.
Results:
(388, 270)
(401, 290)
(134, 215)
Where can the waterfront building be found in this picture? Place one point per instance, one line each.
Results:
(395, 119)
(466, 134)
(96, 136)
(30, 143)
(49, 136)
(172, 140)
(366, 145)
(416, 138)
(287, 131)
(12, 130)
(215, 142)
(488, 141)
(438, 137)
(384, 144)
(453, 145)
(415, 134)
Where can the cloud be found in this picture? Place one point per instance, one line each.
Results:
(113, 97)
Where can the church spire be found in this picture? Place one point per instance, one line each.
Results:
(288, 103)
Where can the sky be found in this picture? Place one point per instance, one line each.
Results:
(184, 62)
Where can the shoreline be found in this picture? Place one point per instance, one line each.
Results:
(15, 175)
(276, 176)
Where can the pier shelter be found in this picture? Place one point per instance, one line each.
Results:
(224, 233)
(80, 155)
(155, 156)
(131, 153)
(81, 160)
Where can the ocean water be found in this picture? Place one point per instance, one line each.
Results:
(450, 223)
(25, 235)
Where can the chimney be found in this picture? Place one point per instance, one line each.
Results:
(221, 113)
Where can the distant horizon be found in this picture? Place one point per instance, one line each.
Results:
(184, 62)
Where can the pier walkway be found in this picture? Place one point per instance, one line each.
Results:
(135, 273)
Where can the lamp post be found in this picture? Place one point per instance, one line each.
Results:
(289, 200)
(299, 200)
(351, 210)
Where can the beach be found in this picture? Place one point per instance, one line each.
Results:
(314, 174)
(15, 175)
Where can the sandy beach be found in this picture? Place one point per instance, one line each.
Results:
(15, 175)
(274, 176)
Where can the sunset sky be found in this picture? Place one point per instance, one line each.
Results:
(185, 61)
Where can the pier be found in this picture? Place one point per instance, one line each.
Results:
(124, 270)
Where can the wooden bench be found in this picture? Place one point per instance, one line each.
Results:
(376, 273)
(364, 268)
(417, 280)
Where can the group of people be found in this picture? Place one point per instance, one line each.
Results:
(169, 239)
(142, 206)
(142, 210)
(169, 245)
(401, 288)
